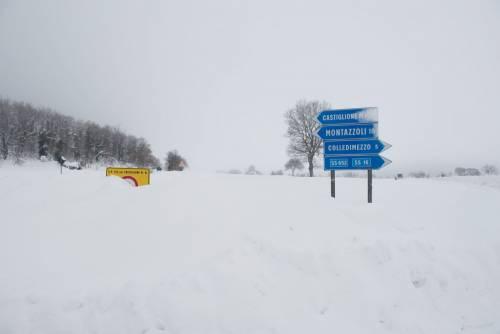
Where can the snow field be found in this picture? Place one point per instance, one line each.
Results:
(217, 253)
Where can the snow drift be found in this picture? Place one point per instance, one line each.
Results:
(214, 253)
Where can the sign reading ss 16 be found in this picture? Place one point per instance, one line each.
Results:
(348, 116)
(354, 131)
(362, 146)
(356, 162)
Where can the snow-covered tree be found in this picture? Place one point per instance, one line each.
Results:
(175, 162)
(29, 132)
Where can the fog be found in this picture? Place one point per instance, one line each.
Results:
(213, 78)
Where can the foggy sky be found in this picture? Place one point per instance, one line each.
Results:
(213, 78)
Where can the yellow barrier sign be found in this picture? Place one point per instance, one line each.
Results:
(136, 176)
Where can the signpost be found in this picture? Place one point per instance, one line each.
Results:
(351, 142)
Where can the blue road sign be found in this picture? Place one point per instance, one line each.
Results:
(356, 162)
(362, 146)
(354, 131)
(348, 116)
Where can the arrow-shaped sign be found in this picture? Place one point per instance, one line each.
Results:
(364, 146)
(355, 162)
(355, 131)
(348, 116)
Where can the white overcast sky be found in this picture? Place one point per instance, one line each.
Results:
(213, 78)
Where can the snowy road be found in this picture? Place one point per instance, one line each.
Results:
(214, 253)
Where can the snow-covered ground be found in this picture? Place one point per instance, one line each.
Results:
(217, 253)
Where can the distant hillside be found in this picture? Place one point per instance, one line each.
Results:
(28, 132)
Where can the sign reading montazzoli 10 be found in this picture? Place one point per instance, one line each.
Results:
(351, 139)
(136, 176)
(349, 131)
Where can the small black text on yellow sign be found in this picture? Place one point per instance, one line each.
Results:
(136, 176)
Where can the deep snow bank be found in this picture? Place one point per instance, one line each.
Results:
(203, 253)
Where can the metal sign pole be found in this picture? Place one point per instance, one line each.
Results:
(332, 182)
(369, 186)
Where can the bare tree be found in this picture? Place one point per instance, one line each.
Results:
(252, 171)
(294, 164)
(490, 170)
(302, 128)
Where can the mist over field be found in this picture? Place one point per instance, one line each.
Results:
(213, 79)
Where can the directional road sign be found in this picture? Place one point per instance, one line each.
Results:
(354, 131)
(348, 116)
(355, 162)
(361, 146)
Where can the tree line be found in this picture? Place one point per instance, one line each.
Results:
(30, 132)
